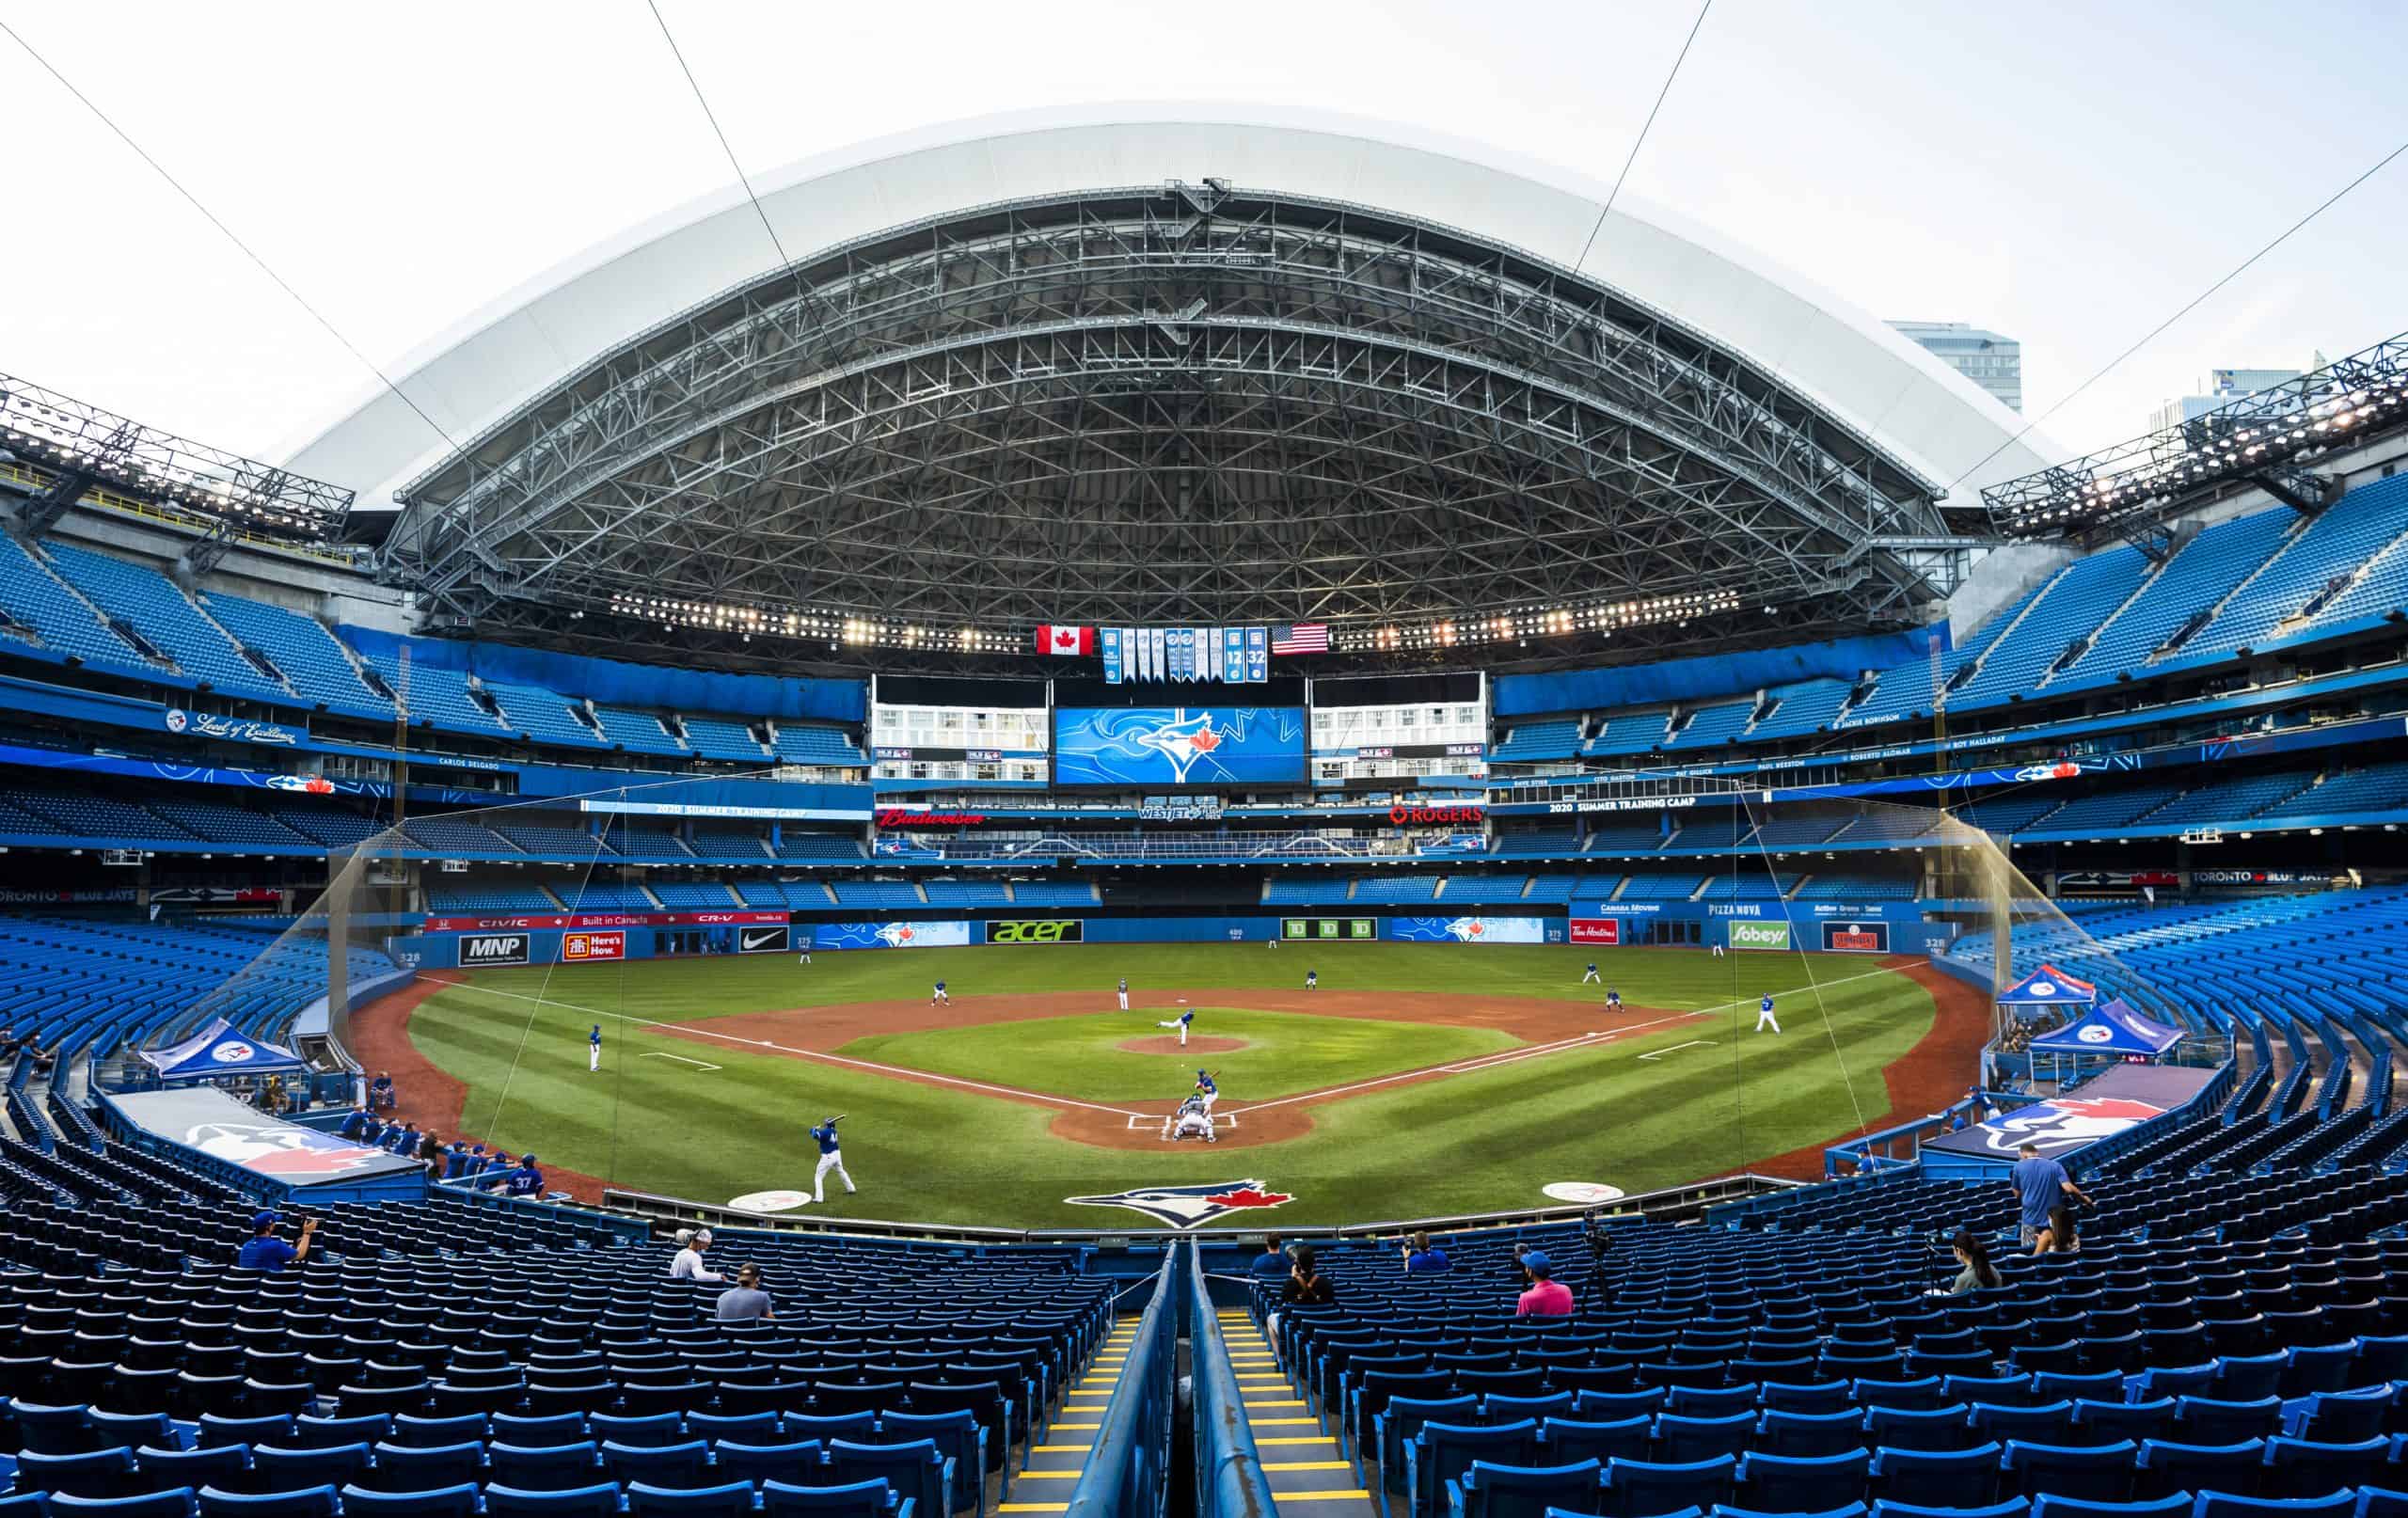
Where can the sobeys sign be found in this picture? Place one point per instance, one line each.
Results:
(1759, 935)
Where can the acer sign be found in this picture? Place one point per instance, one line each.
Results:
(1418, 816)
(1038, 931)
(898, 817)
(613, 945)
(1596, 931)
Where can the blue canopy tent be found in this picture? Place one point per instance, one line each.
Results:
(220, 1051)
(2049, 986)
(2113, 1031)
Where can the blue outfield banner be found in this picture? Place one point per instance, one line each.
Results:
(1471, 930)
(1179, 746)
(887, 935)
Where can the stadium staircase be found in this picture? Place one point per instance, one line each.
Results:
(1297, 1452)
(1057, 1457)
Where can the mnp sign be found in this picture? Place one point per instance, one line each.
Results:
(1857, 937)
(478, 949)
(1038, 931)
(1759, 935)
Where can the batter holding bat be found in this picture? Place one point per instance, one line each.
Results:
(831, 1157)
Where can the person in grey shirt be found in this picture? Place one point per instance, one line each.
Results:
(745, 1302)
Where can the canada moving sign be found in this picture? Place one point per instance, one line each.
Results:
(591, 946)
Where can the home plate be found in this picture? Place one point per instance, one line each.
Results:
(1140, 1122)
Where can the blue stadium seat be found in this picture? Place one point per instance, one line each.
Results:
(2100, 1473)
(1639, 1488)
(562, 1467)
(285, 1469)
(917, 1471)
(2017, 1508)
(2308, 1468)
(94, 1472)
(219, 1465)
(1937, 1477)
(433, 1502)
(1810, 1433)
(424, 1467)
(854, 1499)
(1918, 1428)
(732, 1499)
(2166, 1467)
(1803, 1483)
(600, 1500)
(171, 1502)
(2233, 1504)
(302, 1502)
(2176, 1505)
(1487, 1491)
(1441, 1452)
(798, 1464)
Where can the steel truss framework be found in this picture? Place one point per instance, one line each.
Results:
(1184, 405)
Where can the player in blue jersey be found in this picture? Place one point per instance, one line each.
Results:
(526, 1181)
(593, 1049)
(1208, 1089)
(1124, 993)
(1613, 1000)
(1590, 979)
(1764, 1015)
(831, 1157)
(1180, 1022)
(1312, 980)
(937, 997)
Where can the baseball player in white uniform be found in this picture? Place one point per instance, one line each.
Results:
(1124, 993)
(1590, 979)
(1764, 1015)
(1191, 1121)
(594, 1049)
(1180, 1022)
(831, 1157)
(940, 996)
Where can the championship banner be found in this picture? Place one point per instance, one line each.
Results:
(1157, 653)
(890, 935)
(761, 940)
(576, 947)
(1467, 929)
(1759, 935)
(1038, 931)
(1111, 637)
(1856, 938)
(1607, 930)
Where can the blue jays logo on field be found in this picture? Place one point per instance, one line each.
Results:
(2065, 1123)
(1185, 1207)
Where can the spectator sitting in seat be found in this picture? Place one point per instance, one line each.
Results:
(2062, 1235)
(1306, 1286)
(1547, 1297)
(1273, 1261)
(1421, 1258)
(44, 1058)
(745, 1302)
(380, 1092)
(686, 1265)
(266, 1252)
(357, 1124)
(1979, 1274)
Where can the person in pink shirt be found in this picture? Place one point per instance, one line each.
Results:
(1546, 1297)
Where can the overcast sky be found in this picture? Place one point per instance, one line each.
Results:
(2066, 174)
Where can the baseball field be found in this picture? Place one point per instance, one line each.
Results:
(1417, 1080)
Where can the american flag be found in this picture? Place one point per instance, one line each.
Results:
(1304, 638)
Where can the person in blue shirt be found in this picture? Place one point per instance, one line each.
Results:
(2039, 1184)
(593, 1049)
(266, 1252)
(1422, 1259)
(1312, 980)
(1613, 1000)
(937, 997)
(526, 1181)
(1182, 1022)
(380, 1092)
(831, 1156)
(1764, 1015)
(1208, 1089)
(1590, 978)
(356, 1124)
(1273, 1262)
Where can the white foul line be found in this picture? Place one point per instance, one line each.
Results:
(896, 1070)
(1465, 1067)
(1694, 1043)
(655, 1053)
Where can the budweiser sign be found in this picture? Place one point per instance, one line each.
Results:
(1414, 817)
(897, 817)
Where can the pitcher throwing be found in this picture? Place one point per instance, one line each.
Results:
(1180, 1023)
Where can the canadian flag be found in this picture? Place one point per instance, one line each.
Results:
(1053, 640)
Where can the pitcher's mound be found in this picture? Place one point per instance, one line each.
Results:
(1167, 1043)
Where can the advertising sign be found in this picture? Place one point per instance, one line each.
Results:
(481, 949)
(1856, 938)
(890, 935)
(1329, 927)
(1759, 935)
(1038, 931)
(761, 940)
(1596, 931)
(592, 946)
(1178, 745)
(1467, 929)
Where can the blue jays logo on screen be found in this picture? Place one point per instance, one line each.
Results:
(1467, 929)
(1174, 745)
(1185, 1207)
(2065, 1123)
(888, 935)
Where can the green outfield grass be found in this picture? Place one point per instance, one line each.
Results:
(656, 1120)
(1286, 1053)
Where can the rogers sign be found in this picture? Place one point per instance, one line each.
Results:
(1404, 816)
(897, 817)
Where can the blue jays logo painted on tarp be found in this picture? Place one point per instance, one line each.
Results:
(2065, 1123)
(1185, 1206)
(1180, 742)
(232, 1054)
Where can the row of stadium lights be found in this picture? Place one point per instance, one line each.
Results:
(1556, 621)
(28, 424)
(2324, 421)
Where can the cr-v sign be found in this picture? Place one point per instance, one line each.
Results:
(1045, 930)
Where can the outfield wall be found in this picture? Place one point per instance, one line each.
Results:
(500, 941)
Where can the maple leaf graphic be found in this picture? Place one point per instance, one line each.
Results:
(1249, 1198)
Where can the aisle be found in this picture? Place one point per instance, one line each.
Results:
(1057, 1452)
(1304, 1465)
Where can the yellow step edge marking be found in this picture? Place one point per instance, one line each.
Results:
(1033, 1507)
(1304, 1465)
(1275, 1402)
(1281, 1499)
(1300, 1439)
(1050, 1475)
(1278, 1423)
(1087, 1426)
(1059, 1449)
